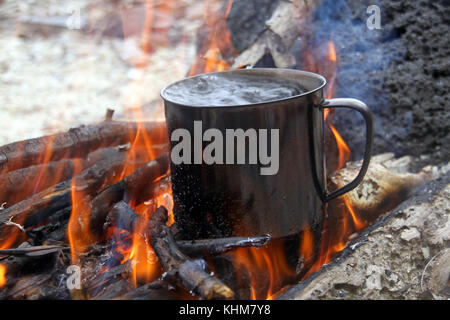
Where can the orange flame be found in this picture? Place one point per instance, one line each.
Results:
(267, 269)
(78, 230)
(306, 249)
(145, 267)
(33, 179)
(217, 45)
(343, 149)
(338, 228)
(357, 222)
(2, 275)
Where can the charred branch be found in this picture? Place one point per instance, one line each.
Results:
(221, 245)
(76, 143)
(49, 201)
(137, 156)
(123, 217)
(180, 269)
(138, 185)
(19, 184)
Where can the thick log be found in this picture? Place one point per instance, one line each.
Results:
(138, 185)
(122, 216)
(76, 143)
(18, 185)
(181, 271)
(49, 201)
(384, 186)
(392, 257)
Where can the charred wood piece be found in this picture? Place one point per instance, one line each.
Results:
(113, 280)
(180, 269)
(156, 290)
(382, 188)
(220, 245)
(76, 143)
(138, 185)
(19, 184)
(123, 217)
(45, 203)
(137, 156)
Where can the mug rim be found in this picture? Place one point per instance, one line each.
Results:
(300, 72)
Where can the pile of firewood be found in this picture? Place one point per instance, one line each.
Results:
(87, 163)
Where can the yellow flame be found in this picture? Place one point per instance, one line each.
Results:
(2, 275)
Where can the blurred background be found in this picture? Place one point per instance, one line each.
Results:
(63, 63)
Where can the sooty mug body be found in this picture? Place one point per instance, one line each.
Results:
(221, 200)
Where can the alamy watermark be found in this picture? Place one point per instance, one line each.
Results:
(74, 21)
(374, 19)
(241, 147)
(74, 277)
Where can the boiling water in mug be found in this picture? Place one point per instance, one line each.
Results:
(216, 90)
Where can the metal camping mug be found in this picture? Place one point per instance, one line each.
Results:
(221, 200)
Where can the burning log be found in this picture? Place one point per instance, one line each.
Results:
(122, 216)
(377, 264)
(220, 245)
(77, 142)
(180, 269)
(16, 186)
(138, 185)
(45, 203)
(382, 188)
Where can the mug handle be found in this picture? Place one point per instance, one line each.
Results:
(365, 112)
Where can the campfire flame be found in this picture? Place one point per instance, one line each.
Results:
(2, 275)
(323, 60)
(144, 261)
(268, 267)
(78, 230)
(217, 44)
